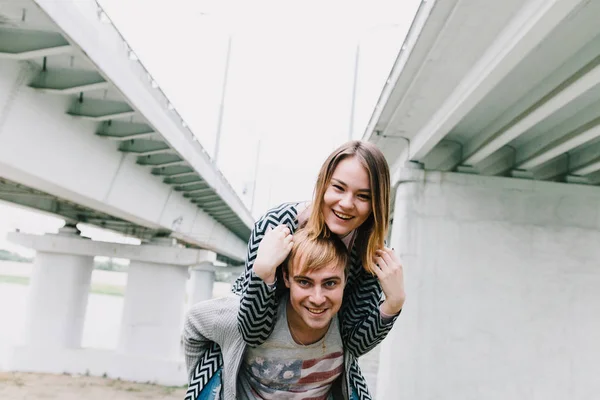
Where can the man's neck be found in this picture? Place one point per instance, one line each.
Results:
(301, 333)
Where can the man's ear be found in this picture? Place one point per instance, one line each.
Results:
(286, 275)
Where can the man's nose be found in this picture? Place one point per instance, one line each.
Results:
(317, 297)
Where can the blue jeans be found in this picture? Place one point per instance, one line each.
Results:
(212, 390)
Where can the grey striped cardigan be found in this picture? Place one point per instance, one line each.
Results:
(361, 325)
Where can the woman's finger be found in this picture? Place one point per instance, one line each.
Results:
(380, 264)
(378, 271)
(389, 260)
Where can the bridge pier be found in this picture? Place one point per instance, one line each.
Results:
(149, 342)
(502, 282)
(152, 318)
(202, 276)
(153, 310)
(58, 298)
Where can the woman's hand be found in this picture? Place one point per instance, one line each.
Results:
(272, 251)
(390, 273)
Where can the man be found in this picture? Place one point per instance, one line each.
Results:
(304, 356)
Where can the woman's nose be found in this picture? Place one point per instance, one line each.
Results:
(346, 200)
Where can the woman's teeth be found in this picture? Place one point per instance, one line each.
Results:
(342, 216)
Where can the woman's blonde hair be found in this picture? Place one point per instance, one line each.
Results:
(371, 234)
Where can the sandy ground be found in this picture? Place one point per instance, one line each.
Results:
(101, 331)
(18, 385)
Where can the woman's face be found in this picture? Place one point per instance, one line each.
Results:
(347, 200)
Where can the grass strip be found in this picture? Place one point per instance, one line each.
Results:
(19, 280)
(97, 288)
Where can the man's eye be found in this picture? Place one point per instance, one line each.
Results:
(303, 283)
(330, 284)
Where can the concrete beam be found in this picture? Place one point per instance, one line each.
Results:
(572, 140)
(587, 169)
(498, 163)
(161, 160)
(184, 180)
(121, 130)
(194, 194)
(100, 110)
(210, 198)
(84, 247)
(554, 134)
(173, 171)
(567, 92)
(526, 31)
(145, 147)
(554, 170)
(192, 186)
(21, 44)
(68, 81)
(585, 160)
(444, 157)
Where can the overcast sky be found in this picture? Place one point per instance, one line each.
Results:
(289, 88)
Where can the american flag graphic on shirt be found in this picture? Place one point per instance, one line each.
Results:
(294, 379)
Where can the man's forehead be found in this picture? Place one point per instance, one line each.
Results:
(327, 271)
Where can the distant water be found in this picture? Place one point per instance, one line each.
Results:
(103, 319)
(101, 327)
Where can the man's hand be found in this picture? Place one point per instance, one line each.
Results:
(272, 251)
(391, 277)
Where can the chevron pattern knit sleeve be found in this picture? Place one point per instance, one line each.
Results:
(206, 323)
(362, 325)
(258, 303)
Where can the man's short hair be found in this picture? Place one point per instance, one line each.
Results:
(316, 253)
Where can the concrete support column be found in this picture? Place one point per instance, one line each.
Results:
(58, 297)
(502, 280)
(202, 276)
(149, 342)
(153, 310)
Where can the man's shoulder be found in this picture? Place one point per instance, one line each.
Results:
(224, 309)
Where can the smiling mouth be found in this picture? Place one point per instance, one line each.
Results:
(343, 216)
(315, 310)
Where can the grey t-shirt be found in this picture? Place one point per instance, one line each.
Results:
(282, 369)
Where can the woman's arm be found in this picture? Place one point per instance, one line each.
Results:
(258, 303)
(363, 324)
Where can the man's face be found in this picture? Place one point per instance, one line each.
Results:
(315, 298)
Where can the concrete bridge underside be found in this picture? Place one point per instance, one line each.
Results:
(87, 134)
(491, 119)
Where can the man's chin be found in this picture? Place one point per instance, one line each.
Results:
(318, 322)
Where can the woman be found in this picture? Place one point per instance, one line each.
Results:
(351, 200)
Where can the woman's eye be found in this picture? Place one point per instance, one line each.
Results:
(364, 197)
(338, 187)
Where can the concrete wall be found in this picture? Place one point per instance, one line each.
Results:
(502, 283)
